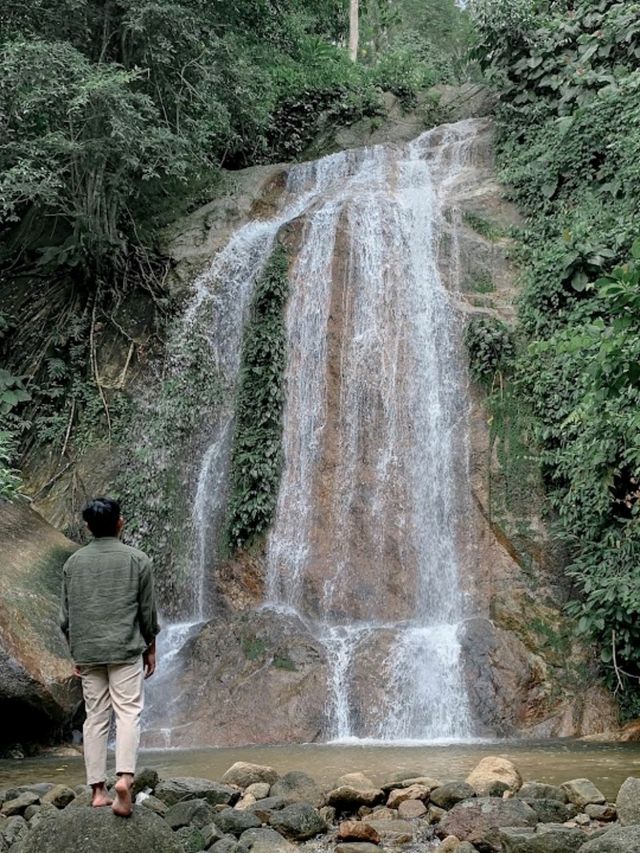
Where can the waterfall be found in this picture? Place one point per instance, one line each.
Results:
(370, 518)
(373, 496)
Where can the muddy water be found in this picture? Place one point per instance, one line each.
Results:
(608, 765)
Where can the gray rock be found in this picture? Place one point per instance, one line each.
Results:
(59, 796)
(552, 811)
(196, 813)
(243, 774)
(211, 833)
(13, 830)
(258, 790)
(553, 838)
(357, 847)
(479, 821)
(447, 795)
(604, 813)
(327, 813)
(435, 813)
(227, 844)
(81, 799)
(465, 847)
(395, 831)
(298, 787)
(298, 821)
(97, 830)
(628, 802)
(191, 839)
(541, 791)
(31, 811)
(233, 822)
(146, 779)
(620, 839)
(154, 804)
(263, 809)
(264, 840)
(581, 792)
(42, 814)
(349, 798)
(171, 791)
(19, 804)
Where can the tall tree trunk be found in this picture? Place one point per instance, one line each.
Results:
(354, 34)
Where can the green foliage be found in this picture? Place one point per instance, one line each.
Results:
(490, 346)
(254, 648)
(482, 282)
(569, 135)
(257, 448)
(154, 438)
(483, 226)
(10, 480)
(284, 662)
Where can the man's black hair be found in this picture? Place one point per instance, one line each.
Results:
(102, 515)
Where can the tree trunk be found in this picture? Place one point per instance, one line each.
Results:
(353, 30)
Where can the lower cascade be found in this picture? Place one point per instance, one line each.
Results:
(371, 530)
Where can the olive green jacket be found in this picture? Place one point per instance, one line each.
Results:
(108, 609)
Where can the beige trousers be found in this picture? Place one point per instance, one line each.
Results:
(107, 687)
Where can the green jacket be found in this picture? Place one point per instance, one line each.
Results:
(108, 610)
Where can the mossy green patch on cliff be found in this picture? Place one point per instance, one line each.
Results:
(257, 446)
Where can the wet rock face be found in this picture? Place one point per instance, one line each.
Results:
(257, 677)
(38, 694)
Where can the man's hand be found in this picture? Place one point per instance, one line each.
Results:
(76, 672)
(149, 660)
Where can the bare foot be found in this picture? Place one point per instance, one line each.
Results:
(100, 797)
(123, 804)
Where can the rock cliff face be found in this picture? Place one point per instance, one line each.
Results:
(38, 695)
(525, 673)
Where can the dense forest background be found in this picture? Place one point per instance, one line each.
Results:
(118, 117)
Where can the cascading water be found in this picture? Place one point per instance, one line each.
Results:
(373, 492)
(373, 496)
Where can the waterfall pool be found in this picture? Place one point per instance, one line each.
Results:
(552, 761)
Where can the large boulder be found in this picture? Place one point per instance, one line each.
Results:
(298, 787)
(349, 798)
(243, 774)
(552, 811)
(97, 830)
(581, 792)
(38, 694)
(542, 791)
(171, 791)
(618, 839)
(257, 677)
(494, 771)
(628, 801)
(197, 813)
(479, 821)
(553, 838)
(298, 822)
(234, 822)
(447, 795)
(264, 840)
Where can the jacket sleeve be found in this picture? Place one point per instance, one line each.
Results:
(63, 618)
(147, 610)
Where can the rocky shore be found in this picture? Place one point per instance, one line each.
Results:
(253, 809)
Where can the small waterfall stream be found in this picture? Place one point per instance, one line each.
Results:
(371, 509)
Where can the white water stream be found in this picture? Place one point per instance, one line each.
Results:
(374, 493)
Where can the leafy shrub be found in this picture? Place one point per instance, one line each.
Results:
(490, 346)
(569, 132)
(257, 447)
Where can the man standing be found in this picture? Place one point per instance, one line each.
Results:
(108, 615)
